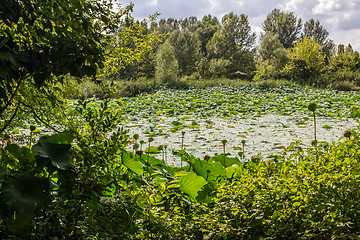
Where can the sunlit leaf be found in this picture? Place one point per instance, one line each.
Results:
(191, 184)
(132, 164)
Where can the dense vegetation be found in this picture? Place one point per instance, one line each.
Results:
(69, 170)
(196, 51)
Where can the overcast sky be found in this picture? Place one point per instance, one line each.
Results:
(341, 18)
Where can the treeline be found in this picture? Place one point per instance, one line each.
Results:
(208, 48)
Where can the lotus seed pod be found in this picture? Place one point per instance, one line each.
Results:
(151, 140)
(136, 136)
(207, 157)
(347, 134)
(139, 153)
(32, 128)
(224, 141)
(312, 107)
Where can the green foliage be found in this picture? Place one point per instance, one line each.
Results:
(21, 197)
(167, 66)
(132, 164)
(234, 42)
(191, 184)
(303, 196)
(42, 41)
(306, 59)
(205, 29)
(81, 182)
(187, 50)
(313, 28)
(27, 182)
(285, 24)
(129, 47)
(218, 67)
(37, 44)
(264, 72)
(218, 197)
(272, 52)
(348, 60)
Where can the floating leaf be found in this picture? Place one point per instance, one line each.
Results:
(176, 123)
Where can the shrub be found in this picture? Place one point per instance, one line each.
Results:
(304, 196)
(264, 71)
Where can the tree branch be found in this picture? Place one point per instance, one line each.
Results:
(10, 120)
(38, 117)
(13, 94)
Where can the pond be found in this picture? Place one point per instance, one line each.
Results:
(267, 134)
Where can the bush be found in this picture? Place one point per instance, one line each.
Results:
(264, 71)
(304, 196)
(133, 88)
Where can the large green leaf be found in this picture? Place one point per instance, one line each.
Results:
(208, 170)
(132, 164)
(152, 149)
(65, 137)
(22, 154)
(191, 184)
(226, 162)
(59, 154)
(20, 197)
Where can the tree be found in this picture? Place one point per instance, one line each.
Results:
(313, 28)
(272, 52)
(40, 41)
(205, 30)
(167, 67)
(345, 59)
(128, 47)
(234, 42)
(237, 31)
(285, 24)
(187, 50)
(306, 59)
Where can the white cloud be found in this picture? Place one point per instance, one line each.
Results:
(153, 3)
(326, 6)
(347, 37)
(294, 5)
